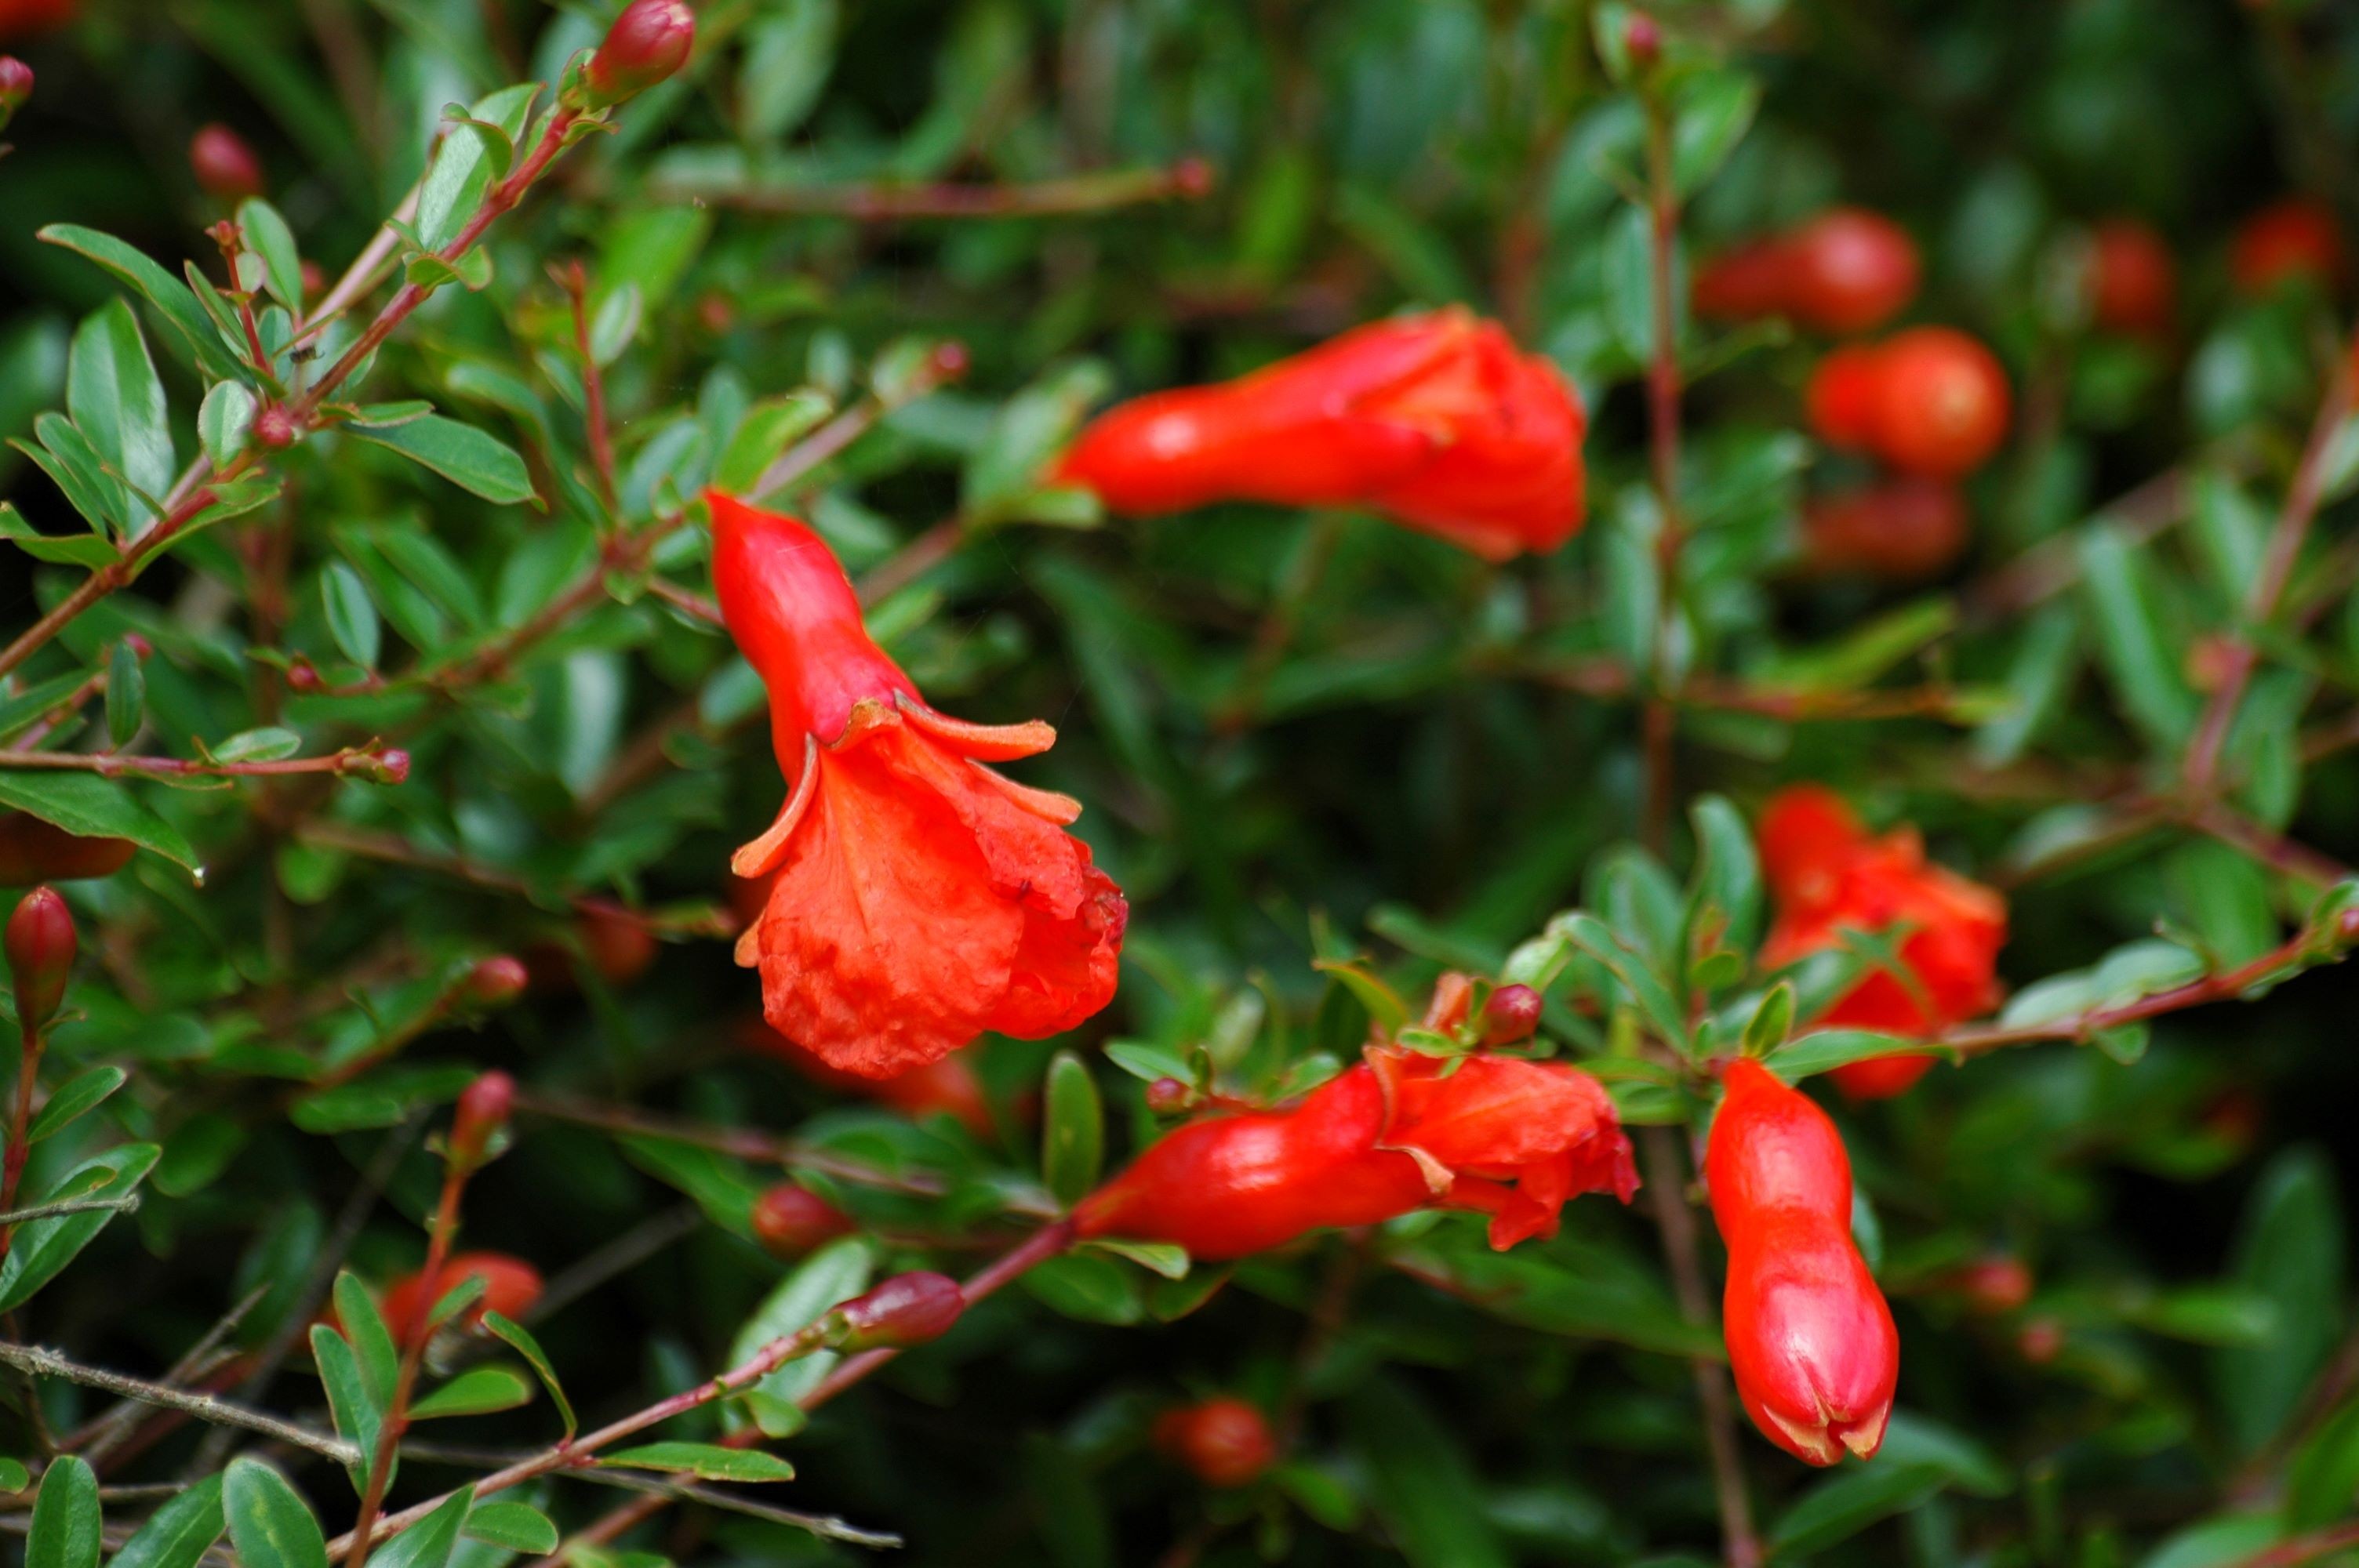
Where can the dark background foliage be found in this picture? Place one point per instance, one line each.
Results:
(1299, 737)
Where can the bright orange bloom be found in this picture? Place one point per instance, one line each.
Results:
(1434, 420)
(1403, 1131)
(918, 898)
(510, 1287)
(1827, 873)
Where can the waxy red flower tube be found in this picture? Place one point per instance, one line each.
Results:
(918, 898)
(1436, 421)
(1810, 1336)
(1828, 874)
(1403, 1131)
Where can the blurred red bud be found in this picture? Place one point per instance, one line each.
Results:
(1643, 37)
(951, 360)
(495, 981)
(2040, 1340)
(905, 1310)
(484, 1108)
(1169, 1096)
(789, 1221)
(1512, 1013)
(15, 84)
(647, 43)
(1224, 1440)
(1994, 1286)
(275, 430)
(41, 943)
(224, 166)
(1192, 177)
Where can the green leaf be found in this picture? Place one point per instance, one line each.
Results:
(179, 1534)
(475, 1392)
(2289, 1252)
(477, 150)
(1711, 112)
(73, 1099)
(789, 47)
(44, 1247)
(1087, 1288)
(706, 1461)
(126, 693)
(768, 428)
(270, 744)
(516, 1527)
(172, 298)
(372, 1341)
(1848, 1501)
(1422, 1484)
(267, 235)
(13, 1477)
(429, 1542)
(1824, 1049)
(58, 549)
(359, 1418)
(520, 1337)
(1147, 1061)
(116, 400)
(1162, 1257)
(1728, 870)
(93, 808)
(270, 1524)
(724, 1189)
(225, 421)
(66, 1524)
(471, 459)
(836, 1272)
(2139, 659)
(1072, 1132)
(2322, 1480)
(1771, 1021)
(352, 614)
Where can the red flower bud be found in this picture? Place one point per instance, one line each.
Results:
(1511, 1013)
(905, 1311)
(275, 430)
(789, 1220)
(1827, 873)
(649, 42)
(224, 166)
(2040, 1340)
(1898, 530)
(495, 981)
(1643, 37)
(951, 360)
(2294, 238)
(15, 85)
(1224, 1442)
(1846, 271)
(1809, 1338)
(1169, 1096)
(2133, 280)
(41, 943)
(32, 850)
(1192, 177)
(1994, 1286)
(974, 909)
(1511, 1138)
(484, 1107)
(1437, 421)
(1930, 401)
(511, 1285)
(387, 767)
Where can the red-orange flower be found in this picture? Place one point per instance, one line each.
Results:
(1826, 874)
(918, 898)
(1403, 1131)
(1435, 421)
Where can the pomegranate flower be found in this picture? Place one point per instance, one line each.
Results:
(918, 898)
(1402, 1131)
(1826, 874)
(1433, 420)
(1810, 1339)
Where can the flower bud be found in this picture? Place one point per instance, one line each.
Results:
(1994, 1286)
(484, 1108)
(951, 360)
(905, 1310)
(789, 1221)
(275, 430)
(224, 166)
(647, 43)
(494, 982)
(1169, 1096)
(1511, 1013)
(41, 943)
(2040, 1341)
(1192, 177)
(1226, 1442)
(15, 85)
(386, 767)
(1643, 37)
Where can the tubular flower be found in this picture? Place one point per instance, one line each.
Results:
(1826, 874)
(1402, 1131)
(1434, 420)
(1809, 1337)
(918, 898)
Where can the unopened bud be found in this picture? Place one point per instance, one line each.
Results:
(1224, 1440)
(302, 676)
(224, 166)
(313, 279)
(1643, 37)
(905, 1310)
(15, 85)
(495, 981)
(388, 767)
(1192, 177)
(647, 43)
(41, 943)
(274, 428)
(1169, 1096)
(789, 1220)
(484, 1108)
(951, 360)
(1511, 1013)
(2041, 1340)
(1996, 1286)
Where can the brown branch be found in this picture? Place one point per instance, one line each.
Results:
(352, 762)
(1187, 179)
(41, 1363)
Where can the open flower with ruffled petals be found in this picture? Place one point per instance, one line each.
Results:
(1403, 1131)
(1435, 421)
(917, 897)
(1828, 874)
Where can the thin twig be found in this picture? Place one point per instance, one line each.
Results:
(41, 1363)
(69, 1205)
(880, 203)
(352, 762)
